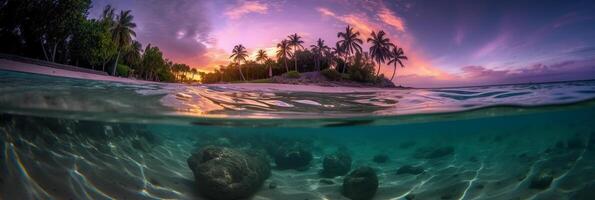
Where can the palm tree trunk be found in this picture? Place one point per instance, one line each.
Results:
(116, 63)
(286, 68)
(270, 71)
(241, 74)
(394, 71)
(45, 54)
(54, 52)
(295, 57)
(378, 74)
(344, 66)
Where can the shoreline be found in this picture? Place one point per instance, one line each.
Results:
(18, 66)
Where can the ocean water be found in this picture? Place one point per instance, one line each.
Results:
(78, 139)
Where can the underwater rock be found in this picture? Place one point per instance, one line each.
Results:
(585, 193)
(224, 173)
(326, 181)
(380, 158)
(297, 158)
(360, 184)
(337, 164)
(541, 181)
(410, 197)
(408, 169)
(272, 185)
(575, 143)
(434, 152)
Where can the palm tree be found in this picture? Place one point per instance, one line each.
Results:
(319, 50)
(239, 54)
(295, 41)
(262, 57)
(337, 52)
(396, 56)
(349, 42)
(283, 52)
(194, 71)
(380, 48)
(107, 15)
(122, 33)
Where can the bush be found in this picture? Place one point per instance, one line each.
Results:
(362, 72)
(331, 74)
(293, 74)
(122, 70)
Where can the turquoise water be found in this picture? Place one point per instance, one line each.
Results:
(77, 139)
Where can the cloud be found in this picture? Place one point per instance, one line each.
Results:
(390, 18)
(396, 32)
(246, 7)
(479, 75)
(496, 44)
(181, 28)
(325, 12)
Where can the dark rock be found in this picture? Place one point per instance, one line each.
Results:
(585, 193)
(446, 196)
(408, 169)
(337, 164)
(575, 143)
(360, 184)
(380, 158)
(432, 153)
(225, 173)
(272, 185)
(541, 181)
(297, 158)
(410, 197)
(327, 181)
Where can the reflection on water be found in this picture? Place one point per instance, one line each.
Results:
(28, 93)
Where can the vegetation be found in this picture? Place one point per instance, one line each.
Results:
(293, 74)
(331, 74)
(60, 31)
(346, 60)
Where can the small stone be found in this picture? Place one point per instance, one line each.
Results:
(296, 158)
(360, 184)
(337, 164)
(222, 173)
(327, 182)
(272, 185)
(541, 181)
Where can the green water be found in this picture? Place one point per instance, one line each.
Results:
(68, 140)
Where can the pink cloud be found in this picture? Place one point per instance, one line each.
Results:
(246, 7)
(390, 18)
(496, 44)
(325, 12)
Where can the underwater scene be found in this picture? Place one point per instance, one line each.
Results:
(67, 138)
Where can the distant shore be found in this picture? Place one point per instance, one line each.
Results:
(276, 83)
(17, 66)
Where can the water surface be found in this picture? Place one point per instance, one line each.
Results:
(77, 139)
